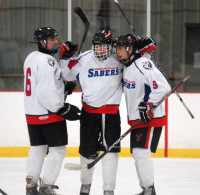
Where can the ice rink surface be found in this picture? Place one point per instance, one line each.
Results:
(172, 177)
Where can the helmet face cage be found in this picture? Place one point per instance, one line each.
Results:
(102, 44)
(102, 52)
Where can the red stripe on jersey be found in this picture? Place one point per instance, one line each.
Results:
(72, 64)
(148, 136)
(43, 119)
(107, 109)
(156, 122)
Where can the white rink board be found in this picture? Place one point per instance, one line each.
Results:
(184, 132)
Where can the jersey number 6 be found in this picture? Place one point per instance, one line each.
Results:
(28, 82)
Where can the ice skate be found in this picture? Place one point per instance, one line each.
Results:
(31, 187)
(85, 189)
(46, 189)
(148, 191)
(108, 193)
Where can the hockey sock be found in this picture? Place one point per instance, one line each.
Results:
(53, 164)
(109, 171)
(86, 175)
(35, 161)
(144, 166)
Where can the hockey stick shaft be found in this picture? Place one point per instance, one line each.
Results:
(134, 31)
(2, 192)
(86, 23)
(73, 166)
(177, 94)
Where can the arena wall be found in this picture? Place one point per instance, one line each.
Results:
(180, 138)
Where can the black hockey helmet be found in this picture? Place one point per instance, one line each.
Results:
(127, 40)
(43, 34)
(102, 37)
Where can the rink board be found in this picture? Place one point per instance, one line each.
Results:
(182, 140)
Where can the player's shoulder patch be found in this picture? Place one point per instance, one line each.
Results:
(147, 65)
(51, 61)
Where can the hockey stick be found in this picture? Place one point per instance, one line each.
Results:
(134, 31)
(86, 23)
(73, 166)
(2, 192)
(178, 95)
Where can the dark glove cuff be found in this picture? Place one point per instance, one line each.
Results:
(64, 58)
(64, 110)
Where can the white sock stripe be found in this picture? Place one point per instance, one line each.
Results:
(103, 129)
(151, 136)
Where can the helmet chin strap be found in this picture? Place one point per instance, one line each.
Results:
(127, 62)
(52, 51)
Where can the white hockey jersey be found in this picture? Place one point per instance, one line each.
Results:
(43, 88)
(143, 82)
(100, 81)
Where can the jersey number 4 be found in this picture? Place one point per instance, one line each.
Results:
(28, 82)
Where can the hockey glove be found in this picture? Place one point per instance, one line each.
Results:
(145, 45)
(67, 49)
(69, 87)
(145, 111)
(70, 112)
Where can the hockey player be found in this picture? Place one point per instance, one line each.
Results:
(144, 85)
(100, 78)
(46, 113)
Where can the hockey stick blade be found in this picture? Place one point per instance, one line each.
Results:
(81, 14)
(84, 19)
(74, 166)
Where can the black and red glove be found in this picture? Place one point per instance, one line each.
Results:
(145, 45)
(145, 111)
(67, 49)
(70, 112)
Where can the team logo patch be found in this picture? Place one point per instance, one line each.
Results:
(147, 65)
(43, 117)
(129, 84)
(51, 62)
(100, 72)
(138, 137)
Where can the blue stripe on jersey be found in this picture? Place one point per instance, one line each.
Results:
(81, 56)
(77, 78)
(137, 67)
(147, 91)
(49, 112)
